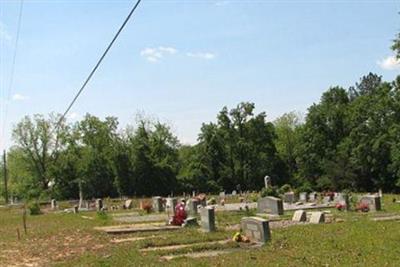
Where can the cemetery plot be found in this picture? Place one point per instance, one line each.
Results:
(70, 240)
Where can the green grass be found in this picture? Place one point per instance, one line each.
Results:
(69, 240)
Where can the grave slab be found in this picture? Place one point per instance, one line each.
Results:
(317, 217)
(299, 216)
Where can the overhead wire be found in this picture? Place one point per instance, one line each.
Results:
(7, 94)
(97, 65)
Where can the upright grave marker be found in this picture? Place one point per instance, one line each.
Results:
(256, 229)
(312, 197)
(157, 204)
(192, 206)
(207, 215)
(373, 202)
(170, 205)
(99, 204)
(289, 197)
(303, 196)
(267, 181)
(53, 204)
(271, 205)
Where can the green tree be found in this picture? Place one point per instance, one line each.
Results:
(41, 141)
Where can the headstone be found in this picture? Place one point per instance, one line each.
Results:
(222, 194)
(193, 193)
(373, 202)
(380, 194)
(271, 205)
(289, 197)
(75, 209)
(299, 216)
(303, 196)
(192, 206)
(339, 197)
(99, 204)
(326, 199)
(157, 204)
(256, 229)
(53, 204)
(234, 193)
(170, 205)
(128, 204)
(317, 217)
(267, 181)
(312, 197)
(207, 215)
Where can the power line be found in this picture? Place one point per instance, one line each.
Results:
(11, 83)
(98, 64)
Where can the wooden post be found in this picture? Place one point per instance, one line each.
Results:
(5, 177)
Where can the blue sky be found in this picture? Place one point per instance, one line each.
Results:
(182, 61)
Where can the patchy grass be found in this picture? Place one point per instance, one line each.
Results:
(69, 240)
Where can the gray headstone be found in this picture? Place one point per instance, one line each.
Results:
(271, 205)
(289, 197)
(207, 215)
(99, 204)
(170, 205)
(234, 193)
(256, 229)
(192, 206)
(222, 194)
(54, 204)
(326, 199)
(312, 197)
(373, 202)
(157, 204)
(299, 216)
(317, 217)
(303, 197)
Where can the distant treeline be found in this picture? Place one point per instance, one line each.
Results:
(349, 140)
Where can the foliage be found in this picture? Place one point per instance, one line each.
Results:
(34, 208)
(348, 140)
(284, 189)
(269, 192)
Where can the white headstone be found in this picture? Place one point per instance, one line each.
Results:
(267, 181)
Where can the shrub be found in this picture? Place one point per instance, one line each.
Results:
(284, 189)
(305, 187)
(34, 208)
(270, 192)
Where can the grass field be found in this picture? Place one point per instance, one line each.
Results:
(59, 239)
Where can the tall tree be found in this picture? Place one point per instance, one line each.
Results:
(41, 140)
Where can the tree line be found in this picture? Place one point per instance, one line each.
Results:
(350, 139)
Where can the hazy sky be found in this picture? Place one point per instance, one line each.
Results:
(182, 61)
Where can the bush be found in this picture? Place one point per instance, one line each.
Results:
(305, 187)
(270, 192)
(284, 189)
(34, 208)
